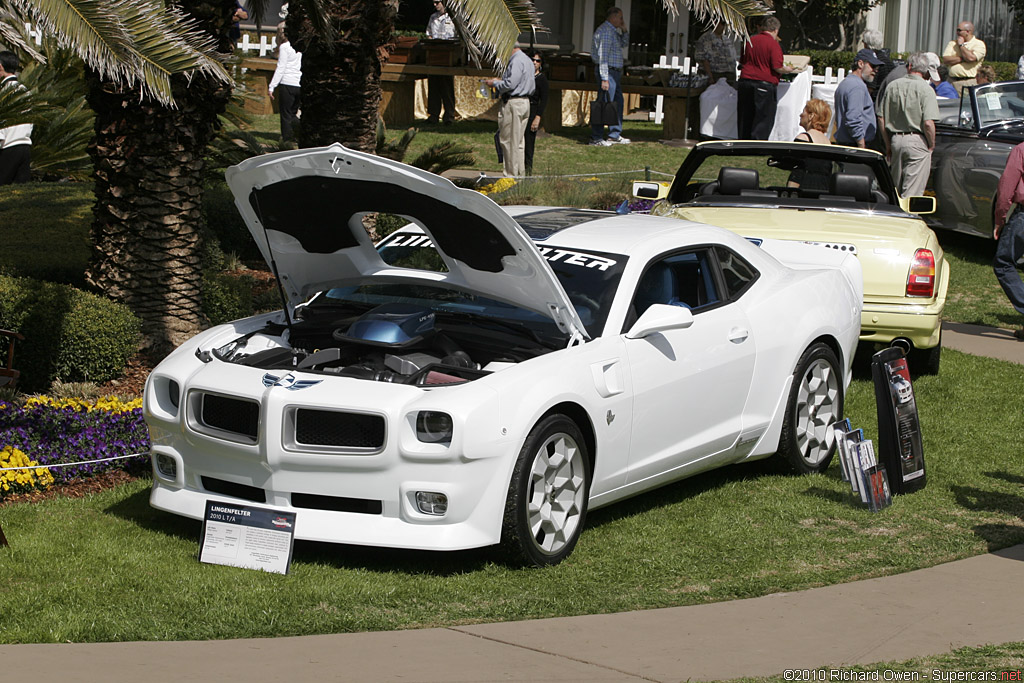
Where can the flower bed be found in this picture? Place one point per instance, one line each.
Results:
(50, 431)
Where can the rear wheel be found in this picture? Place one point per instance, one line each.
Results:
(547, 495)
(925, 361)
(815, 404)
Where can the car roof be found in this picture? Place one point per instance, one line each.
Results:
(635, 235)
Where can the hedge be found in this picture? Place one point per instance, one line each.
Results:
(71, 335)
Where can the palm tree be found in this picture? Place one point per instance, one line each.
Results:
(156, 83)
(148, 161)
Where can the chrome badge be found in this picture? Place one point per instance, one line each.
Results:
(289, 382)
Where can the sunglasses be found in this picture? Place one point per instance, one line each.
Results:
(536, 60)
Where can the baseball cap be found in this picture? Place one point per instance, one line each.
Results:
(868, 56)
(933, 65)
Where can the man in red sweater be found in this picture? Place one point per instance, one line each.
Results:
(1010, 232)
(757, 87)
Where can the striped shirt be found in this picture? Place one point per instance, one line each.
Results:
(607, 48)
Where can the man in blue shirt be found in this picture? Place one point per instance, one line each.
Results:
(609, 40)
(855, 114)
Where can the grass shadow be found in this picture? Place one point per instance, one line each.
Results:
(995, 535)
(674, 493)
(137, 510)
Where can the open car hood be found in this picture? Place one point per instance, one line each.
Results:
(305, 210)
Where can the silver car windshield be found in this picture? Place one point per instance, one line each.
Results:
(999, 102)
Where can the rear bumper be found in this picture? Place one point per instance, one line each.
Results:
(881, 324)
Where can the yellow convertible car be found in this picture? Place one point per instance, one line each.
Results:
(839, 197)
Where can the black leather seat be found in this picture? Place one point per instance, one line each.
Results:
(732, 181)
(657, 286)
(852, 185)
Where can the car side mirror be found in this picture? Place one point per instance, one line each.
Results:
(660, 318)
(919, 205)
(650, 189)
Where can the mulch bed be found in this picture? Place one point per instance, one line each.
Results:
(74, 489)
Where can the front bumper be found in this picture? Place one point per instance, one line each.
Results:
(382, 502)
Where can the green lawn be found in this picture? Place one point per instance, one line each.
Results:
(109, 567)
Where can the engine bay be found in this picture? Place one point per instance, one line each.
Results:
(397, 343)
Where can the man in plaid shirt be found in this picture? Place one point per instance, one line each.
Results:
(609, 40)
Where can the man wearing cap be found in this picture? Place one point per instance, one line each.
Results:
(908, 113)
(963, 55)
(855, 113)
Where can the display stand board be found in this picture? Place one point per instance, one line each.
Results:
(3, 539)
(247, 537)
(899, 430)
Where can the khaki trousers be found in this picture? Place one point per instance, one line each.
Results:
(910, 164)
(512, 118)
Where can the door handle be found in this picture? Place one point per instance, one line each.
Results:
(738, 335)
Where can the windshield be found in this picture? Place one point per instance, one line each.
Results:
(998, 102)
(817, 175)
(589, 278)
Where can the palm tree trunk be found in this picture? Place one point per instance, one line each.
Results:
(341, 90)
(148, 166)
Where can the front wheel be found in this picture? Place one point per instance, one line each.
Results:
(815, 404)
(547, 495)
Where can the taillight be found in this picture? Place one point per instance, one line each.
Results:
(921, 281)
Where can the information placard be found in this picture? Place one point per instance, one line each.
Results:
(899, 430)
(247, 537)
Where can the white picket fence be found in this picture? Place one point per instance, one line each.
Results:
(663, 63)
(264, 46)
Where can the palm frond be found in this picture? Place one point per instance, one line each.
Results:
(443, 156)
(132, 42)
(16, 107)
(12, 33)
(733, 13)
(490, 29)
(318, 16)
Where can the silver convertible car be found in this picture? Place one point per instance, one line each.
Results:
(974, 137)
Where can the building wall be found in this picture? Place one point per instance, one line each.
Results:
(928, 25)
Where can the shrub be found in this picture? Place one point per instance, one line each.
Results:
(71, 335)
(226, 297)
(224, 222)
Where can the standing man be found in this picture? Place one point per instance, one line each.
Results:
(757, 89)
(908, 114)
(15, 141)
(717, 55)
(440, 89)
(963, 56)
(515, 86)
(1010, 233)
(855, 113)
(609, 40)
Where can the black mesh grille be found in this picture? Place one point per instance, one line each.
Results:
(312, 501)
(330, 428)
(230, 488)
(231, 415)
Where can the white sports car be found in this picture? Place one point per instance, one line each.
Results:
(485, 375)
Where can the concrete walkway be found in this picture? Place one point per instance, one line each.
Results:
(969, 602)
(975, 601)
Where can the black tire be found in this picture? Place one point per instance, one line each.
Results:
(543, 520)
(925, 361)
(815, 404)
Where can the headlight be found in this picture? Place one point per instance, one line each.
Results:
(433, 427)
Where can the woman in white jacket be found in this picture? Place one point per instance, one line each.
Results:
(287, 76)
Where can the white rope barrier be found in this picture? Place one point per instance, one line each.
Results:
(74, 464)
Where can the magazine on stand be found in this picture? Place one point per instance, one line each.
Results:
(840, 429)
